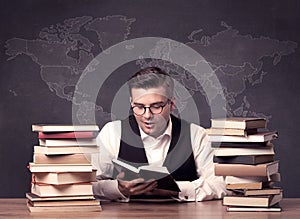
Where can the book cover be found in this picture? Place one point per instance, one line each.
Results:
(266, 169)
(247, 159)
(259, 137)
(64, 128)
(67, 135)
(59, 178)
(160, 174)
(238, 123)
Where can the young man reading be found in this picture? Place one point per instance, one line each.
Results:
(152, 135)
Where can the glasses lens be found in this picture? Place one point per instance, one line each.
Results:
(138, 110)
(156, 109)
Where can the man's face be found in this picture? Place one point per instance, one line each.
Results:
(152, 124)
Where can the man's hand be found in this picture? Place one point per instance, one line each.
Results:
(135, 187)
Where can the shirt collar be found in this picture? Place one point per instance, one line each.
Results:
(167, 132)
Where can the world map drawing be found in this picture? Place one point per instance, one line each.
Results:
(64, 50)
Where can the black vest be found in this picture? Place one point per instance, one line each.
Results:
(179, 160)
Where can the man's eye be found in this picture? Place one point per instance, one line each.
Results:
(155, 106)
(139, 106)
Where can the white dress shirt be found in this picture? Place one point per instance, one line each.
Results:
(206, 187)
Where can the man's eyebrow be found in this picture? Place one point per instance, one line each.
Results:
(141, 104)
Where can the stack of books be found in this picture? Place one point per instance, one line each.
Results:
(244, 154)
(62, 173)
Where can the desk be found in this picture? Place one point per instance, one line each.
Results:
(16, 208)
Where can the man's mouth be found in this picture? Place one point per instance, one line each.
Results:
(148, 124)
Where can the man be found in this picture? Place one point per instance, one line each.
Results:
(153, 136)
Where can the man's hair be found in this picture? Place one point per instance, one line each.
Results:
(152, 77)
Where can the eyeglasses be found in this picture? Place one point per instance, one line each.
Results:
(140, 110)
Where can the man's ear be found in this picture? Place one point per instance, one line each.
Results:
(130, 100)
(173, 104)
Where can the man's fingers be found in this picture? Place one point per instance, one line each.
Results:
(143, 188)
(121, 175)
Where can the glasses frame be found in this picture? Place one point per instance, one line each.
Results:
(149, 107)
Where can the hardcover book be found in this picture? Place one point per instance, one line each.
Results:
(217, 144)
(254, 201)
(67, 135)
(160, 174)
(258, 192)
(268, 150)
(234, 132)
(274, 208)
(56, 150)
(81, 158)
(266, 169)
(247, 159)
(253, 185)
(48, 190)
(238, 123)
(68, 142)
(259, 137)
(49, 209)
(64, 128)
(62, 203)
(34, 198)
(33, 167)
(60, 178)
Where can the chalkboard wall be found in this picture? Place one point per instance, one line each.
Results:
(249, 52)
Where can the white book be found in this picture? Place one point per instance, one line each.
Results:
(253, 209)
(60, 178)
(254, 201)
(47, 190)
(269, 150)
(252, 179)
(60, 168)
(259, 137)
(238, 123)
(63, 128)
(66, 150)
(68, 142)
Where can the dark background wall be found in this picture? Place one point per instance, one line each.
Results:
(253, 46)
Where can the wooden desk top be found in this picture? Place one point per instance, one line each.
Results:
(16, 208)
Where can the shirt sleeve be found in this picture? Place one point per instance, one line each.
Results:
(207, 186)
(108, 141)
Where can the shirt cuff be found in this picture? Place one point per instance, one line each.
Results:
(188, 192)
(108, 189)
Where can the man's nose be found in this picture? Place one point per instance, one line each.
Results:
(147, 113)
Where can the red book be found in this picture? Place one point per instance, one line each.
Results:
(74, 135)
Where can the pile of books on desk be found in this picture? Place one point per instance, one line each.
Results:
(62, 173)
(244, 154)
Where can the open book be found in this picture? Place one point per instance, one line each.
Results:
(158, 173)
